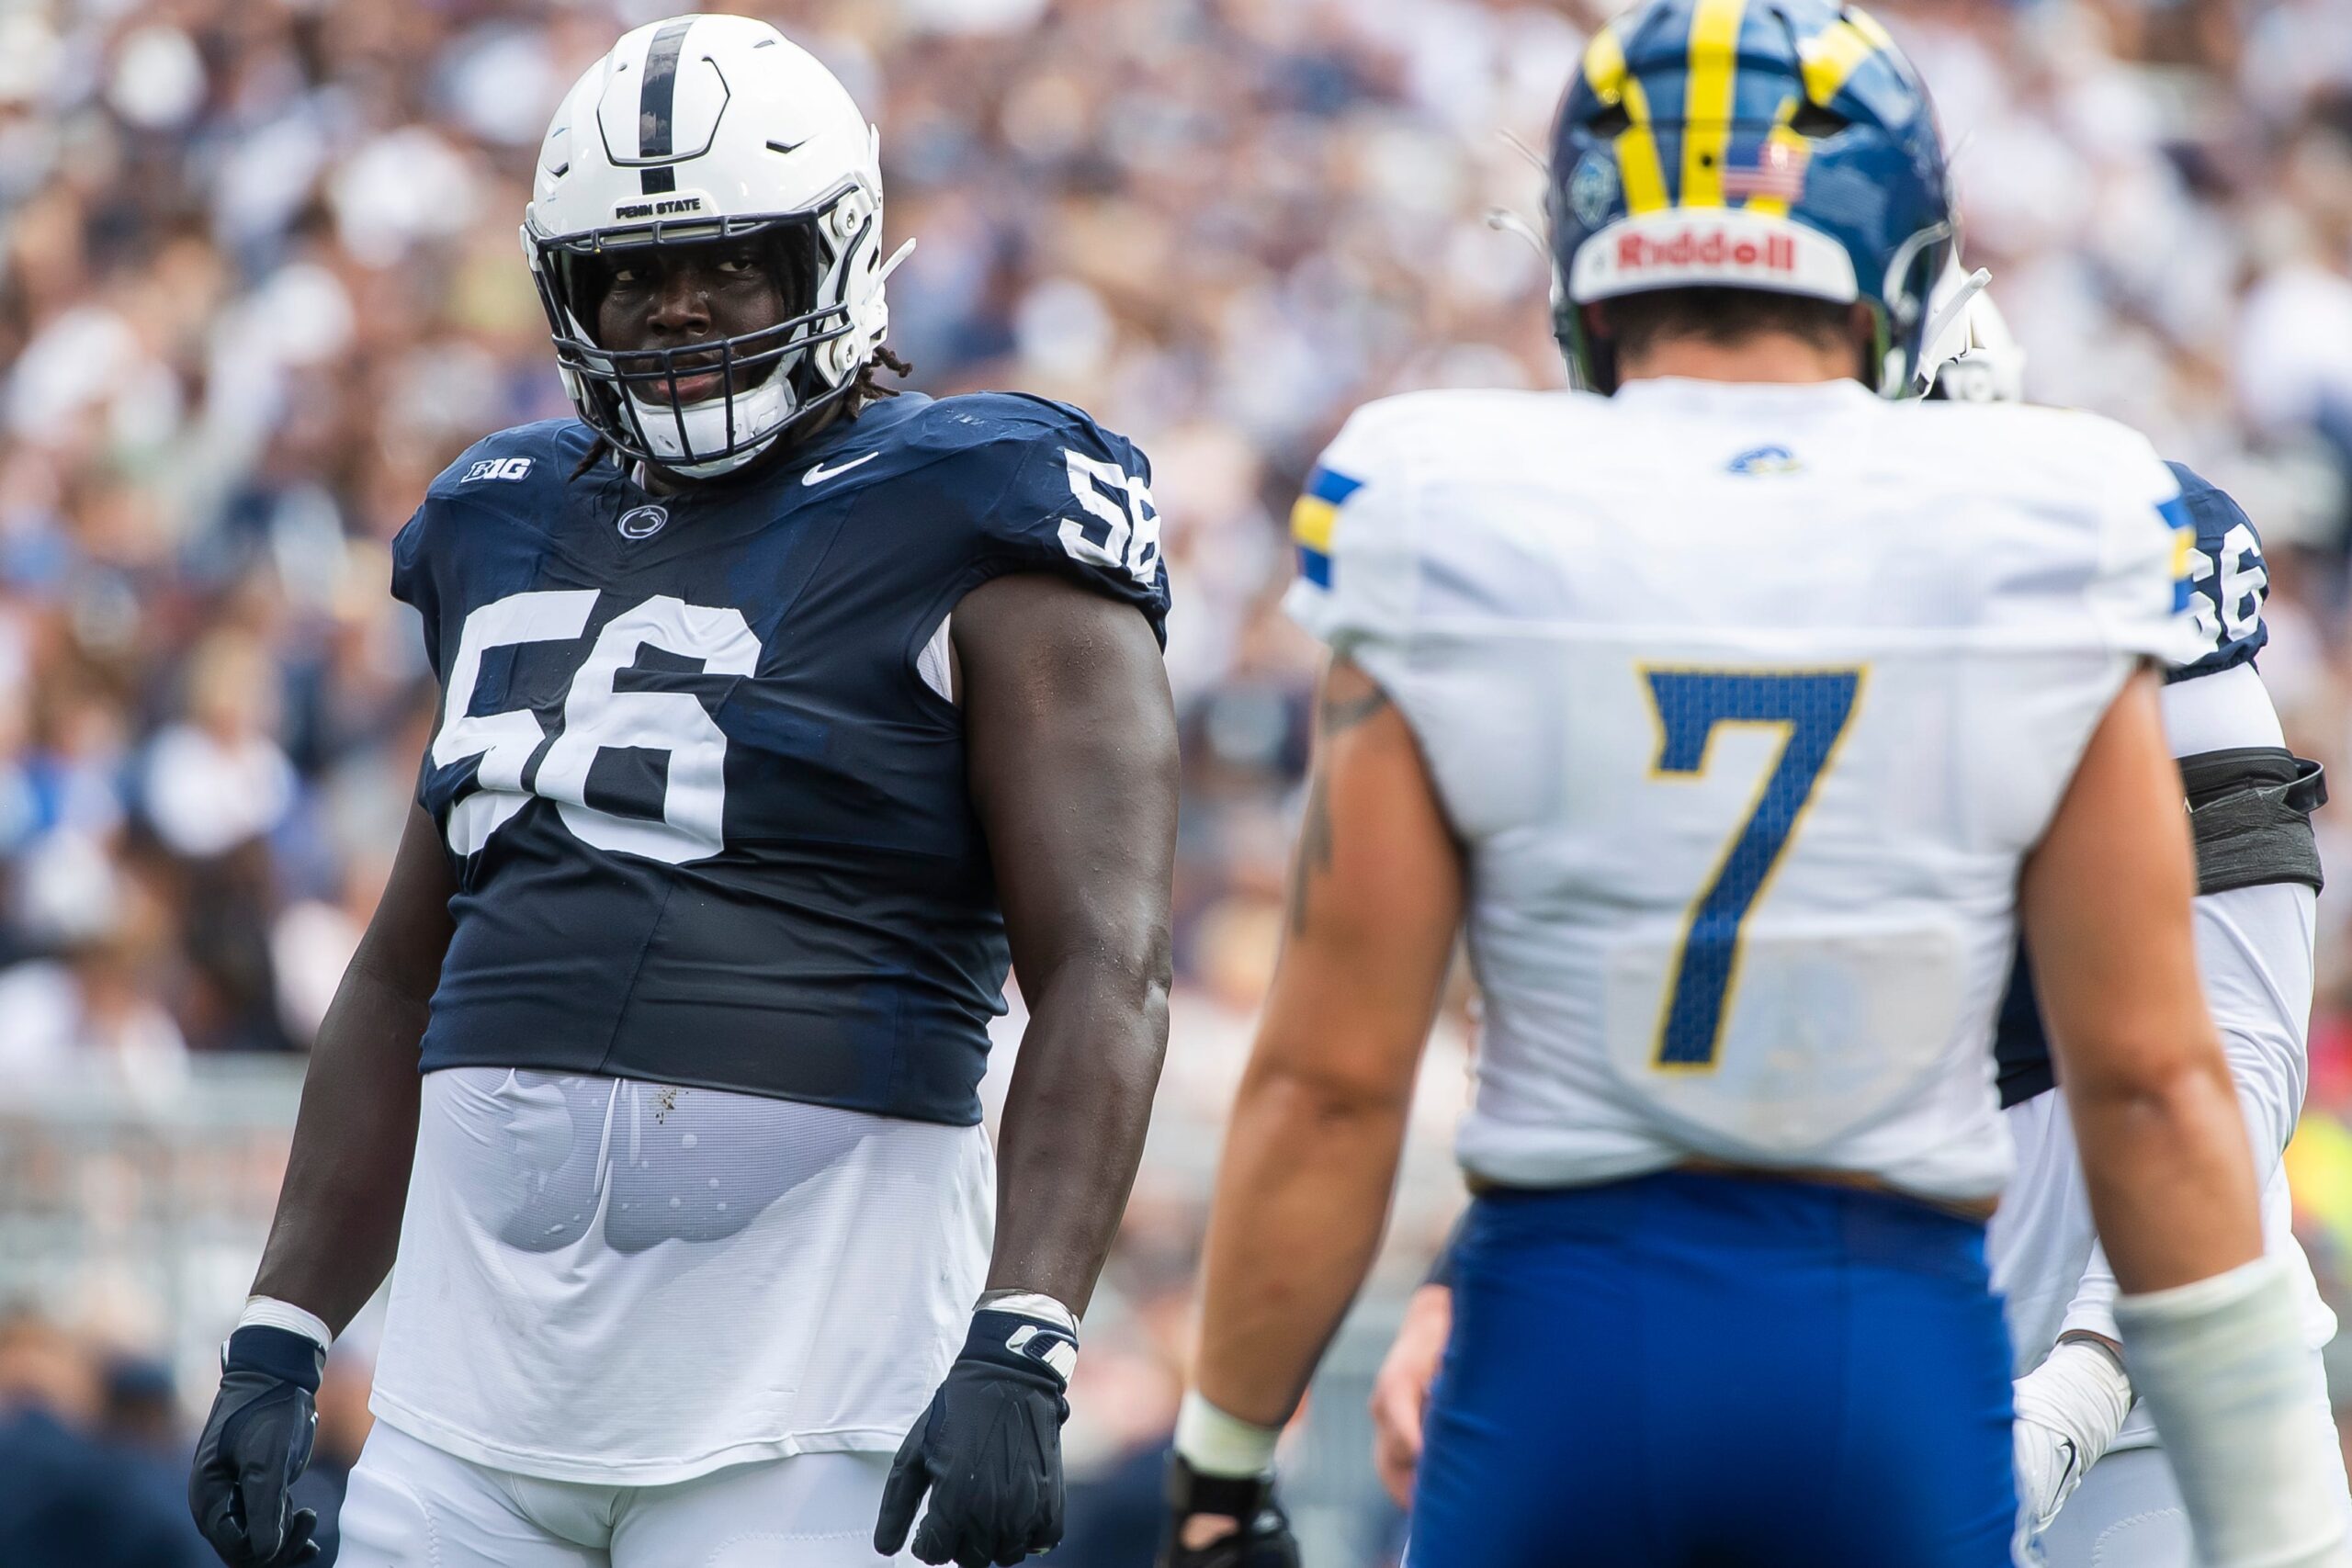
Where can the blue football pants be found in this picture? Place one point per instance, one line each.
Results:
(1691, 1371)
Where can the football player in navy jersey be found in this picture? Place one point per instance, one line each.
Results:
(780, 715)
(2096, 1485)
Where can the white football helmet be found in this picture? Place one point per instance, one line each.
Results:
(697, 128)
(1972, 356)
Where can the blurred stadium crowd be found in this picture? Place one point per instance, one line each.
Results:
(259, 282)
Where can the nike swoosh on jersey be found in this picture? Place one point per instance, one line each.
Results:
(821, 473)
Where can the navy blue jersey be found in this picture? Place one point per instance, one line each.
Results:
(708, 820)
(2227, 576)
(2230, 582)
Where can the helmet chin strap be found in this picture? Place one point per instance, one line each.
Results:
(705, 424)
(671, 433)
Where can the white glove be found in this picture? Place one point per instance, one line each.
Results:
(2068, 1411)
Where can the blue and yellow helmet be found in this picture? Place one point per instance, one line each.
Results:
(1774, 144)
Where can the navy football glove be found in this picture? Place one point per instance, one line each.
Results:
(255, 1442)
(1262, 1542)
(989, 1451)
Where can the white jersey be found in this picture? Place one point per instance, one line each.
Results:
(1747, 703)
(620, 1283)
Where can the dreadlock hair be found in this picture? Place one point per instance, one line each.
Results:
(598, 449)
(868, 388)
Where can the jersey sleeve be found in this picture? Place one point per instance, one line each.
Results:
(1079, 505)
(1354, 533)
(413, 583)
(2140, 596)
(2228, 579)
(505, 469)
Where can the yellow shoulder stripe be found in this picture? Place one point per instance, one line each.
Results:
(1312, 522)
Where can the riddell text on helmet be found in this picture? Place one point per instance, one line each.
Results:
(1711, 248)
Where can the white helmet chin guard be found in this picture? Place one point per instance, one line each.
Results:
(696, 129)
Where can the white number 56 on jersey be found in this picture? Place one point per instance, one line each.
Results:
(1121, 505)
(596, 717)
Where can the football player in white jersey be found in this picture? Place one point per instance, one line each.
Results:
(1743, 717)
(2251, 821)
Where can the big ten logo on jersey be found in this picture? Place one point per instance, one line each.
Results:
(498, 468)
(2230, 582)
(602, 712)
(1122, 512)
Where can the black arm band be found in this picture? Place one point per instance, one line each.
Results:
(2250, 811)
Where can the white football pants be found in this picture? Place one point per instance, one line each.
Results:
(411, 1505)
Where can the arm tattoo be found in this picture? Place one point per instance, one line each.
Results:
(1338, 714)
(1333, 717)
(1313, 849)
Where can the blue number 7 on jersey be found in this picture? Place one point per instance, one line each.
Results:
(1811, 708)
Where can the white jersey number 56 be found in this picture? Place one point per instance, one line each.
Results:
(596, 717)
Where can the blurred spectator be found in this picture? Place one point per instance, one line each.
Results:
(139, 1419)
(216, 778)
(88, 1008)
(73, 1499)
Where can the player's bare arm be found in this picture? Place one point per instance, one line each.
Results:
(1310, 1155)
(339, 1212)
(1074, 775)
(338, 1215)
(1318, 1122)
(1071, 736)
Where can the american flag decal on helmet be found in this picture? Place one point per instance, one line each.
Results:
(1777, 174)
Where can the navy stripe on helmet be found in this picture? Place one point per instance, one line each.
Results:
(657, 90)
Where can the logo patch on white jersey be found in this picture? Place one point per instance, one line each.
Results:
(1765, 461)
(497, 469)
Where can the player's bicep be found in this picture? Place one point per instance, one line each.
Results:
(1375, 901)
(2105, 899)
(408, 936)
(1070, 735)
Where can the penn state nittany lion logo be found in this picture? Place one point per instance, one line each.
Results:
(643, 522)
(1593, 189)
